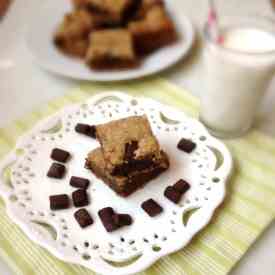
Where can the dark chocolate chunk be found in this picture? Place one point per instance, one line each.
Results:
(83, 218)
(106, 216)
(82, 128)
(151, 207)
(131, 166)
(58, 202)
(85, 129)
(80, 198)
(181, 186)
(79, 182)
(60, 155)
(92, 131)
(122, 219)
(186, 145)
(172, 194)
(56, 170)
(106, 213)
(130, 149)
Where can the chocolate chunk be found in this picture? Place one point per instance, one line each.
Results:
(58, 202)
(79, 182)
(181, 186)
(172, 194)
(106, 213)
(83, 218)
(92, 131)
(85, 129)
(82, 128)
(132, 166)
(60, 155)
(80, 198)
(106, 216)
(186, 145)
(130, 149)
(56, 171)
(151, 207)
(122, 219)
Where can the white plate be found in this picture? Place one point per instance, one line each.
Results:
(44, 22)
(26, 188)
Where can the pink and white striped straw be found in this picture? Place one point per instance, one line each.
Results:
(213, 23)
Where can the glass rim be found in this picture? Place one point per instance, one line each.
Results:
(209, 40)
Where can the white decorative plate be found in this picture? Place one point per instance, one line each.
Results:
(40, 35)
(26, 189)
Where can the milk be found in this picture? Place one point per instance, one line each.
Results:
(237, 74)
(249, 40)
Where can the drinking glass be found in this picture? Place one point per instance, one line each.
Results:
(235, 80)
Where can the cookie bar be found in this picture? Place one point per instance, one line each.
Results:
(153, 31)
(115, 11)
(72, 35)
(111, 49)
(128, 145)
(145, 6)
(122, 185)
(80, 3)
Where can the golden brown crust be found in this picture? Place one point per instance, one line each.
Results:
(72, 34)
(115, 10)
(145, 6)
(114, 34)
(80, 3)
(123, 185)
(114, 136)
(111, 49)
(155, 30)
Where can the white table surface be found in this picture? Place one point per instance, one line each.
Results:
(24, 86)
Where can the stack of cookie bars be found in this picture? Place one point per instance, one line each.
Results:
(114, 34)
(129, 156)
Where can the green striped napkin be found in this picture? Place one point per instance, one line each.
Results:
(247, 211)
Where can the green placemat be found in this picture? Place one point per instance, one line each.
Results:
(247, 211)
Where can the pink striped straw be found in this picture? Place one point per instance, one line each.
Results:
(213, 23)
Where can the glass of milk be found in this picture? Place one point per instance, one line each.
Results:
(237, 72)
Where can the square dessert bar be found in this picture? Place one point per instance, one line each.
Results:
(115, 10)
(128, 145)
(111, 49)
(153, 31)
(80, 3)
(125, 185)
(72, 35)
(145, 6)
